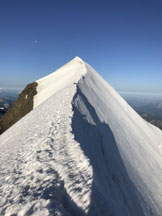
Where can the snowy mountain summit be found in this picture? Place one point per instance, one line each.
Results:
(82, 150)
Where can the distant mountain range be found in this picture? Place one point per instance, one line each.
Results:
(7, 98)
(152, 113)
(154, 109)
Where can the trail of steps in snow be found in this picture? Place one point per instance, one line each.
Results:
(70, 162)
(32, 186)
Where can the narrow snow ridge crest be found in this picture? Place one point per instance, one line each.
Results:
(65, 76)
(77, 58)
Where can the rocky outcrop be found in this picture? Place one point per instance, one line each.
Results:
(22, 106)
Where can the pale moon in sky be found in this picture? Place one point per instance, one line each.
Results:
(35, 41)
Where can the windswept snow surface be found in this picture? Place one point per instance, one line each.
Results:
(82, 151)
(60, 79)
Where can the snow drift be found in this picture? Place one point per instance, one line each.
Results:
(82, 151)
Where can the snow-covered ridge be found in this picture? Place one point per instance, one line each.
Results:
(69, 74)
(82, 151)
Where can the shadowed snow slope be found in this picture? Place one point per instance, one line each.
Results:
(82, 151)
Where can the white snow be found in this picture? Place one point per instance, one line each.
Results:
(60, 79)
(82, 151)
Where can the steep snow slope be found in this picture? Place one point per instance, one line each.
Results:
(82, 151)
(60, 79)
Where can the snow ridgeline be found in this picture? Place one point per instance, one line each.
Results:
(82, 151)
(67, 75)
(46, 172)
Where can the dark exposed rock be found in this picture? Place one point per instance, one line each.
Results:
(22, 106)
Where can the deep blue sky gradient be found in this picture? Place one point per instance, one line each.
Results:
(121, 39)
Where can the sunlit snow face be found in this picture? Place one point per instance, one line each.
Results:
(160, 148)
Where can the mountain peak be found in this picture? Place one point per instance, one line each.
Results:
(78, 59)
(68, 74)
(37, 92)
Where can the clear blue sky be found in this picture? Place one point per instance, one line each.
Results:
(121, 39)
